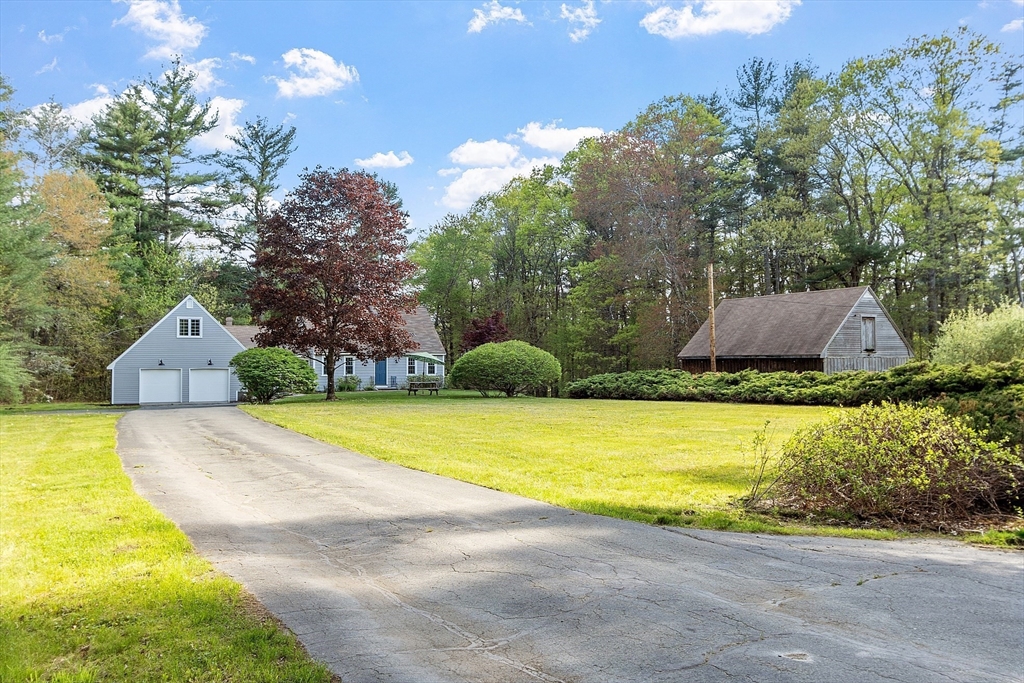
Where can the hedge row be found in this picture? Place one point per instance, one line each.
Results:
(990, 396)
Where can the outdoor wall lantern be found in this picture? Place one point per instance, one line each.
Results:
(161, 362)
(209, 362)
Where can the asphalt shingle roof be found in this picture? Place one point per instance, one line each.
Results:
(797, 325)
(418, 323)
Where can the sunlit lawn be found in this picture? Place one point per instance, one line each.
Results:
(96, 585)
(661, 462)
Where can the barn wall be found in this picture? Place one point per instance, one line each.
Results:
(848, 343)
(869, 363)
(162, 343)
(699, 365)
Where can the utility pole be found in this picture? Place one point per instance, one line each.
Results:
(711, 313)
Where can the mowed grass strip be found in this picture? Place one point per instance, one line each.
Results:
(96, 585)
(668, 463)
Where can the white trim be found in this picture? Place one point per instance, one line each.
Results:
(169, 314)
(178, 370)
(189, 318)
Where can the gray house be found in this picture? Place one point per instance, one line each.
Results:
(182, 359)
(388, 373)
(830, 330)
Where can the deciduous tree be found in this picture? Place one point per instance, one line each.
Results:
(331, 272)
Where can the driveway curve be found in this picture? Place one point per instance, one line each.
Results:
(389, 574)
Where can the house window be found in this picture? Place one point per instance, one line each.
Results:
(190, 327)
(350, 366)
(431, 369)
(868, 333)
(411, 367)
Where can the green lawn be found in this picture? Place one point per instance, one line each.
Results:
(50, 407)
(96, 585)
(659, 462)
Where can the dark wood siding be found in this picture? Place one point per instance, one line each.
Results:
(699, 365)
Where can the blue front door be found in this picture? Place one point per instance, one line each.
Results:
(381, 375)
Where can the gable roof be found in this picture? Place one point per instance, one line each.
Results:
(419, 324)
(797, 325)
(169, 314)
(420, 327)
(245, 334)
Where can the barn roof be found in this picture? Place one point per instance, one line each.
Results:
(797, 325)
(419, 324)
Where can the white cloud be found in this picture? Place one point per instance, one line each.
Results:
(1014, 25)
(389, 160)
(476, 182)
(206, 80)
(751, 17)
(55, 38)
(83, 112)
(162, 21)
(551, 138)
(448, 171)
(242, 57)
(492, 13)
(227, 111)
(49, 67)
(488, 153)
(317, 74)
(582, 20)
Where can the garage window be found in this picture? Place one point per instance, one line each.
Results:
(190, 327)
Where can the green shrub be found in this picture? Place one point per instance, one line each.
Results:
(13, 375)
(510, 367)
(347, 383)
(899, 463)
(990, 398)
(267, 374)
(974, 336)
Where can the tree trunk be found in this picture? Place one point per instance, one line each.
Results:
(329, 360)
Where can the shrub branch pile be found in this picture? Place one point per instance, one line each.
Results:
(901, 464)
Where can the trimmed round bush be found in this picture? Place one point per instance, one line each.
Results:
(900, 463)
(510, 367)
(267, 374)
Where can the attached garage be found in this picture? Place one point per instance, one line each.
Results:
(183, 358)
(159, 386)
(209, 385)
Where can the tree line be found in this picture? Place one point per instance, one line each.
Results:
(104, 227)
(903, 171)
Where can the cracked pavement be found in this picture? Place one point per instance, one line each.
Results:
(389, 574)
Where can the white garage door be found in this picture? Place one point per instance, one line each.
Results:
(206, 386)
(159, 386)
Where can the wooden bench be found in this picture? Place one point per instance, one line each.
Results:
(432, 387)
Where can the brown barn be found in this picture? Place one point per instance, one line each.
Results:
(830, 330)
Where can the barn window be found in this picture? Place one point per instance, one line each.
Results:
(190, 327)
(868, 333)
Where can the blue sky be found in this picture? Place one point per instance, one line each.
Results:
(448, 99)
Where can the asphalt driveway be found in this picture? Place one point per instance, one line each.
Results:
(388, 574)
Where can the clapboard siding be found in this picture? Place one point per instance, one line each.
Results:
(397, 369)
(161, 343)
